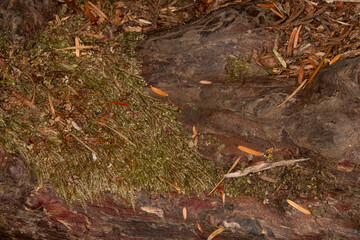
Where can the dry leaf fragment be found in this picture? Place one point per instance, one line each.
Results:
(205, 82)
(77, 44)
(250, 151)
(279, 57)
(65, 18)
(298, 207)
(266, 178)
(58, 20)
(157, 211)
(132, 29)
(158, 91)
(184, 212)
(144, 21)
(215, 233)
(335, 59)
(94, 13)
(199, 227)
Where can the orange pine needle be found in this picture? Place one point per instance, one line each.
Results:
(276, 12)
(296, 40)
(335, 59)
(205, 82)
(158, 91)
(118, 103)
(268, 5)
(105, 117)
(194, 132)
(250, 151)
(175, 105)
(215, 233)
(301, 74)
(291, 42)
(199, 227)
(312, 62)
(298, 207)
(184, 212)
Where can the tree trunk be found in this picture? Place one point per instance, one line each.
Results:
(321, 120)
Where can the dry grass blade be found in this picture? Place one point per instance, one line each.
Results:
(74, 48)
(298, 207)
(51, 105)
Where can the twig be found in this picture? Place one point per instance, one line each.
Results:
(23, 100)
(232, 167)
(263, 167)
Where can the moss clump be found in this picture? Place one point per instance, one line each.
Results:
(242, 67)
(91, 127)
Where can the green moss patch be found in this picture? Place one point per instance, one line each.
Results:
(92, 128)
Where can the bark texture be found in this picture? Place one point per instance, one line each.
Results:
(323, 120)
(21, 18)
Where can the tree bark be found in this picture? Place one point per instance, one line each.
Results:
(322, 120)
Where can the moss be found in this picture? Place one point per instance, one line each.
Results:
(242, 67)
(138, 143)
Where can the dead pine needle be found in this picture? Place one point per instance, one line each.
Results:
(304, 83)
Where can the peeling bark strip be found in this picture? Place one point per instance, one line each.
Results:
(323, 118)
(39, 214)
